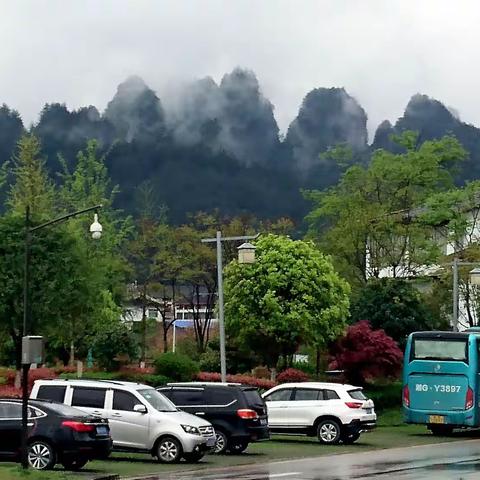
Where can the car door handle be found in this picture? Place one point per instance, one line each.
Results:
(199, 413)
(97, 413)
(116, 414)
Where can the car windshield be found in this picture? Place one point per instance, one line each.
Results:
(157, 400)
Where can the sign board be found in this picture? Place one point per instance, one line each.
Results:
(32, 350)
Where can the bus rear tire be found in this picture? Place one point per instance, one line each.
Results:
(441, 430)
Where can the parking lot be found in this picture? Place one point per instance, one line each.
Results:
(390, 434)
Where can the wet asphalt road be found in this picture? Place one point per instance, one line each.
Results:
(452, 461)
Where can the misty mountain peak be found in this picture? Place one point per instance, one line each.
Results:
(234, 117)
(136, 111)
(327, 117)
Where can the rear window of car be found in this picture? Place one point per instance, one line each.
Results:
(357, 394)
(330, 395)
(10, 410)
(88, 397)
(61, 409)
(56, 393)
(253, 397)
(220, 396)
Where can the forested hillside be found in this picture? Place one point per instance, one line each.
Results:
(218, 145)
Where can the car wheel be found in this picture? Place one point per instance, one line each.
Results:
(221, 442)
(41, 455)
(169, 450)
(328, 432)
(74, 464)
(193, 457)
(237, 446)
(350, 438)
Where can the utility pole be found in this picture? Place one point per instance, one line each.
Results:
(221, 320)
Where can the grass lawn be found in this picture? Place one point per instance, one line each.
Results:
(390, 433)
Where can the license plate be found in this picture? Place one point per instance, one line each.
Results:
(211, 442)
(369, 410)
(263, 421)
(436, 419)
(101, 430)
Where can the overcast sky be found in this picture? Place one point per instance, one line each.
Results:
(381, 51)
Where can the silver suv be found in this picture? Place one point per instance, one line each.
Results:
(141, 419)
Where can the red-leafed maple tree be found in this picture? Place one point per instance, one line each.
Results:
(365, 354)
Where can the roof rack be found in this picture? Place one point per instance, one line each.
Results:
(196, 384)
(84, 379)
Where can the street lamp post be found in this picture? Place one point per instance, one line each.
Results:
(474, 279)
(221, 319)
(96, 231)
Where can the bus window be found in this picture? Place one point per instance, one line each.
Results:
(440, 349)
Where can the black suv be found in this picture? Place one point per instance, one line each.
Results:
(237, 412)
(57, 433)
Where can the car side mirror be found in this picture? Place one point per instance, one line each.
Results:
(140, 408)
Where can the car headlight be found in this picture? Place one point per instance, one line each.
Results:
(190, 429)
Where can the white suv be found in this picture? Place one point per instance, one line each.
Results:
(140, 418)
(331, 411)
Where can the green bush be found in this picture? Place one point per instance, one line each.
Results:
(178, 367)
(305, 367)
(156, 380)
(385, 395)
(188, 346)
(210, 361)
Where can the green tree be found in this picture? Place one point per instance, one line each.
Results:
(31, 186)
(371, 220)
(290, 295)
(394, 305)
(54, 282)
(102, 266)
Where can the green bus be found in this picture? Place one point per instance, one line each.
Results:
(441, 380)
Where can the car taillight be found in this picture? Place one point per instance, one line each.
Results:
(78, 426)
(406, 396)
(247, 413)
(354, 404)
(469, 399)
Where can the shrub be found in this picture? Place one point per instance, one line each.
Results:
(178, 367)
(292, 375)
(385, 396)
(210, 361)
(261, 372)
(305, 367)
(365, 354)
(33, 374)
(156, 380)
(187, 345)
(259, 383)
(7, 391)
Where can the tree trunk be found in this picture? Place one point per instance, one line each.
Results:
(165, 339)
